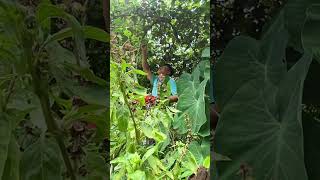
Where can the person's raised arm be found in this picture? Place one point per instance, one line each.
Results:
(145, 64)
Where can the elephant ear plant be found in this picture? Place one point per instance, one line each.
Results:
(260, 126)
(35, 71)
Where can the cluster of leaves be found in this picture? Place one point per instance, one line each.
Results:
(167, 27)
(163, 142)
(261, 103)
(53, 107)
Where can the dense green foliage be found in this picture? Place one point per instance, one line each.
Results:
(176, 31)
(163, 142)
(262, 126)
(53, 107)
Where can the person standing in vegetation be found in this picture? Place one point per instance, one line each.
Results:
(163, 85)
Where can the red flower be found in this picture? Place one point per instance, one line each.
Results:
(150, 99)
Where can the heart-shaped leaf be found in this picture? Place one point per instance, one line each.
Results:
(261, 101)
(191, 89)
(42, 160)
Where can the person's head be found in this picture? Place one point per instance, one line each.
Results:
(165, 70)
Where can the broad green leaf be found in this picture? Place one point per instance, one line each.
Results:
(125, 65)
(148, 153)
(258, 103)
(205, 129)
(141, 92)
(11, 170)
(206, 53)
(86, 73)
(46, 25)
(42, 161)
(118, 160)
(92, 94)
(171, 158)
(133, 162)
(206, 162)
(166, 131)
(195, 149)
(90, 32)
(137, 175)
(48, 11)
(59, 55)
(5, 136)
(60, 35)
(252, 63)
(186, 174)
(96, 165)
(95, 33)
(190, 163)
(156, 164)
(310, 33)
(147, 130)
(159, 136)
(137, 71)
(179, 123)
(127, 33)
(169, 174)
(192, 100)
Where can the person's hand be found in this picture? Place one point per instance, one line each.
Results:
(173, 98)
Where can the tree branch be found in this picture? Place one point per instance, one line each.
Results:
(41, 90)
(131, 113)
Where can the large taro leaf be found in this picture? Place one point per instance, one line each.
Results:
(260, 124)
(41, 161)
(246, 59)
(311, 29)
(191, 90)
